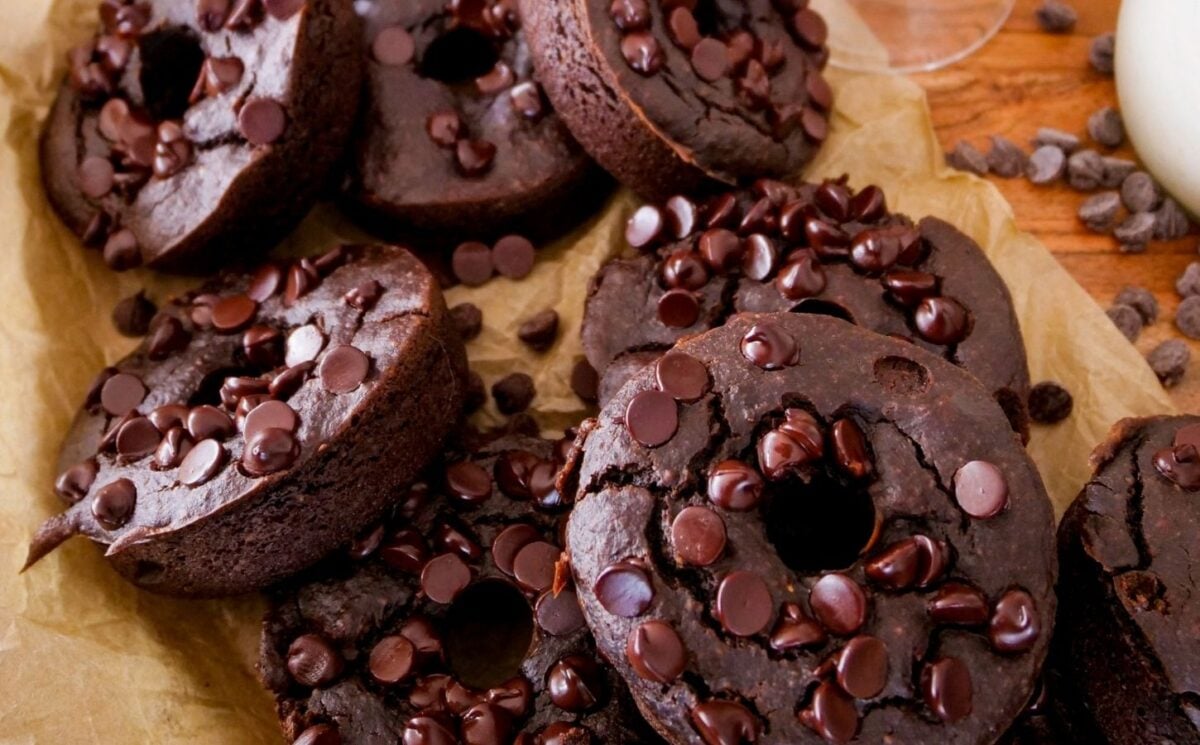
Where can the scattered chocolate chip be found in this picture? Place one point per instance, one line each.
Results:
(831, 714)
(474, 157)
(73, 484)
(1140, 192)
(1006, 159)
(710, 59)
(942, 320)
(585, 381)
(698, 536)
(393, 46)
(1140, 299)
(576, 683)
(1102, 53)
(1116, 170)
(472, 263)
(644, 227)
(262, 121)
(1187, 317)
(1170, 221)
(839, 603)
(625, 589)
(313, 662)
(1127, 320)
(967, 157)
(468, 319)
(132, 315)
(655, 652)
(513, 393)
(121, 251)
(1056, 17)
(724, 722)
(981, 489)
(958, 604)
(1106, 127)
(1135, 232)
(202, 462)
(1169, 361)
(540, 331)
(1188, 283)
(770, 347)
(862, 666)
(946, 684)
(269, 451)
(1085, 170)
(122, 393)
(1050, 403)
(642, 52)
(114, 503)
(364, 296)
(513, 256)
(559, 615)
(735, 486)
(534, 565)
(1064, 141)
(1099, 212)
(1015, 626)
(444, 128)
(678, 309)
(652, 418)
(1047, 165)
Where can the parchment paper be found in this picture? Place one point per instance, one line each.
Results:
(85, 658)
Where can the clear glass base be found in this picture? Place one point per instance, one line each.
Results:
(903, 36)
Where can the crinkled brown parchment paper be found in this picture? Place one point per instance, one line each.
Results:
(85, 658)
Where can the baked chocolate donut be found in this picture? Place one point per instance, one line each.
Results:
(671, 95)
(809, 249)
(455, 622)
(1126, 665)
(456, 134)
(791, 530)
(264, 421)
(192, 131)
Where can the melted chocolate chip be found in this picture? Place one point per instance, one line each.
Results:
(946, 684)
(313, 662)
(576, 683)
(652, 418)
(839, 604)
(656, 652)
(698, 536)
(724, 723)
(1015, 625)
(770, 347)
(114, 503)
(734, 485)
(625, 589)
(682, 376)
(744, 605)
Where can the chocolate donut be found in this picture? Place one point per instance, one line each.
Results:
(808, 249)
(457, 135)
(1125, 664)
(671, 95)
(791, 530)
(192, 131)
(264, 421)
(454, 622)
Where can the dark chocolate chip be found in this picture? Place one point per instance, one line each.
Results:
(1049, 403)
(262, 121)
(981, 489)
(682, 376)
(942, 320)
(839, 603)
(269, 451)
(585, 381)
(946, 685)
(698, 536)
(1006, 159)
(831, 714)
(444, 128)
(958, 604)
(535, 565)
(576, 683)
(1102, 52)
(724, 723)
(642, 52)
(559, 615)
(472, 263)
(678, 309)
(73, 484)
(652, 418)
(734, 485)
(511, 540)
(122, 393)
(655, 652)
(1099, 212)
(1127, 320)
(132, 315)
(625, 589)
(541, 331)
(513, 256)
(468, 319)
(114, 503)
(202, 462)
(1015, 625)
(313, 662)
(1047, 165)
(796, 630)
(121, 251)
(474, 157)
(393, 46)
(967, 157)
(1106, 127)
(392, 659)
(1056, 17)
(444, 577)
(1169, 361)
(862, 666)
(343, 369)
(513, 393)
(796, 442)
(744, 605)
(770, 347)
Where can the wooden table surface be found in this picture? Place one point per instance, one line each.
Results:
(1024, 79)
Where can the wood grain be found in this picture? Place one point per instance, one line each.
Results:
(1024, 79)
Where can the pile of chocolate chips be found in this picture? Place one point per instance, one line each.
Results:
(142, 144)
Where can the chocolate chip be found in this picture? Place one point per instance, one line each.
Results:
(655, 652)
(468, 482)
(269, 451)
(343, 369)
(122, 393)
(1099, 212)
(540, 331)
(878, 249)
(682, 27)
(839, 604)
(73, 484)
(233, 313)
(428, 730)
(444, 128)
(526, 99)
(1056, 17)
(831, 714)
(967, 157)
(981, 489)
(201, 463)
(1015, 626)
(121, 251)
(850, 450)
(770, 347)
(513, 256)
(132, 315)
(710, 59)
(262, 121)
(585, 381)
(744, 605)
(652, 418)
(1169, 361)
(576, 683)
(393, 46)
(644, 227)
(137, 438)
(474, 157)
(114, 503)
(1188, 283)
(1127, 320)
(1187, 317)
(1116, 170)
(795, 443)
(796, 630)
(630, 15)
(171, 451)
(270, 415)
(313, 662)
(625, 589)
(472, 263)
(678, 309)
(1101, 53)
(444, 577)
(513, 393)
(958, 604)
(1049, 403)
(468, 319)
(206, 421)
(559, 615)
(1064, 141)
(319, 734)
(698, 536)
(642, 52)
(1047, 165)
(534, 565)
(862, 666)
(724, 723)
(735, 486)
(95, 177)
(941, 320)
(1106, 127)
(802, 277)
(759, 257)
(682, 376)
(509, 541)
(499, 78)
(946, 686)
(1005, 158)
(809, 28)
(1141, 193)
(1170, 221)
(1085, 170)
(263, 346)
(304, 344)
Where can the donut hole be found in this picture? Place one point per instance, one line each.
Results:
(171, 62)
(488, 633)
(901, 375)
(459, 56)
(209, 390)
(819, 523)
(815, 307)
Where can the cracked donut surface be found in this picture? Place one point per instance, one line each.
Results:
(189, 132)
(813, 248)
(262, 423)
(454, 621)
(830, 535)
(1125, 661)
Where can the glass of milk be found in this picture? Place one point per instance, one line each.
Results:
(903, 36)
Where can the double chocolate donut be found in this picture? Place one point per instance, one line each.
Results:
(264, 421)
(190, 131)
(792, 530)
(454, 622)
(809, 249)
(672, 94)
(456, 134)
(1126, 666)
